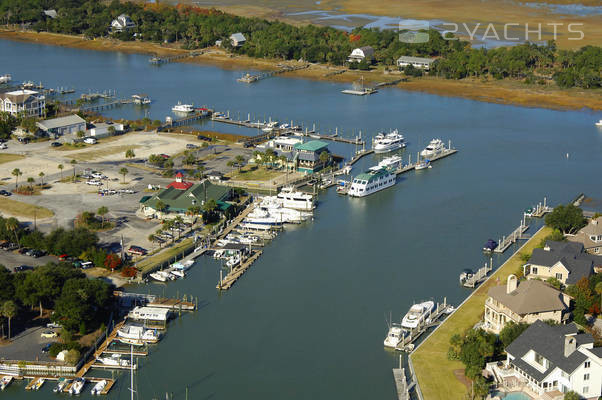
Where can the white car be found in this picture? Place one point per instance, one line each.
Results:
(3, 146)
(90, 140)
(94, 183)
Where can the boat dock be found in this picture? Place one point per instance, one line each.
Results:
(407, 344)
(363, 92)
(236, 272)
(139, 353)
(104, 345)
(479, 276)
(507, 241)
(103, 106)
(156, 60)
(248, 78)
(34, 382)
(109, 385)
(172, 304)
(401, 383)
(196, 116)
(540, 210)
(105, 366)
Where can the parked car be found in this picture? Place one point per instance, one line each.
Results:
(90, 140)
(5, 193)
(205, 138)
(53, 325)
(94, 183)
(22, 268)
(23, 250)
(56, 144)
(3, 146)
(87, 264)
(46, 347)
(49, 334)
(63, 257)
(191, 146)
(36, 253)
(24, 140)
(137, 250)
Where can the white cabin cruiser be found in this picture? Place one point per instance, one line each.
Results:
(418, 314)
(394, 336)
(435, 147)
(5, 78)
(295, 199)
(77, 386)
(261, 219)
(137, 332)
(391, 162)
(388, 142)
(99, 387)
(599, 123)
(5, 381)
(183, 108)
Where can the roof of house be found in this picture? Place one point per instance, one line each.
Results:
(50, 13)
(529, 297)
(312, 145)
(239, 37)
(19, 96)
(548, 341)
(569, 254)
(566, 247)
(182, 199)
(409, 59)
(61, 121)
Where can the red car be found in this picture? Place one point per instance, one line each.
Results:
(137, 250)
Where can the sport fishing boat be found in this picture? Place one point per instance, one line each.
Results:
(418, 314)
(383, 143)
(162, 276)
(371, 181)
(270, 126)
(139, 333)
(183, 108)
(61, 385)
(98, 388)
(78, 385)
(297, 200)
(434, 148)
(391, 162)
(394, 336)
(5, 381)
(490, 246)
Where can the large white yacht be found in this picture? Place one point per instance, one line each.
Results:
(371, 181)
(434, 148)
(183, 108)
(261, 219)
(391, 162)
(138, 334)
(388, 142)
(418, 314)
(297, 200)
(287, 215)
(394, 336)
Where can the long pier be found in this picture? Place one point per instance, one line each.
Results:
(515, 235)
(540, 210)
(227, 282)
(401, 383)
(107, 105)
(248, 78)
(156, 60)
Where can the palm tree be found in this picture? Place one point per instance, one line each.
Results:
(129, 153)
(16, 173)
(239, 160)
(9, 310)
(41, 175)
(73, 162)
(123, 171)
(151, 238)
(30, 180)
(12, 225)
(61, 166)
(102, 211)
(177, 221)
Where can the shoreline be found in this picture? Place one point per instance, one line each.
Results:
(500, 92)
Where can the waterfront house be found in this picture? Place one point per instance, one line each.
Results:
(524, 302)
(180, 196)
(70, 124)
(307, 156)
(122, 23)
(361, 53)
(564, 261)
(416, 62)
(590, 237)
(26, 102)
(237, 39)
(557, 359)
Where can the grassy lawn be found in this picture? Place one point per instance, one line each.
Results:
(102, 152)
(254, 173)
(20, 209)
(7, 157)
(150, 262)
(440, 382)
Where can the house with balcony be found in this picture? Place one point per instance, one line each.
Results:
(307, 156)
(524, 302)
(565, 261)
(416, 62)
(590, 237)
(552, 360)
(23, 102)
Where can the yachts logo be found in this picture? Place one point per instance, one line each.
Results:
(512, 32)
(411, 31)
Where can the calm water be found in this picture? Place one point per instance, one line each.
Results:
(307, 320)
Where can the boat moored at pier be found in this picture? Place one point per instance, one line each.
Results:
(418, 314)
(371, 181)
(384, 143)
(434, 148)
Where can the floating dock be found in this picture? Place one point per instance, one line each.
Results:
(156, 60)
(540, 210)
(139, 353)
(172, 304)
(227, 282)
(507, 241)
(407, 344)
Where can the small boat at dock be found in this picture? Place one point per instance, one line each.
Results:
(394, 336)
(424, 164)
(490, 246)
(77, 386)
(99, 387)
(466, 275)
(61, 385)
(5, 381)
(38, 384)
(137, 334)
(418, 314)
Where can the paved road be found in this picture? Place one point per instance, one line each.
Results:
(12, 259)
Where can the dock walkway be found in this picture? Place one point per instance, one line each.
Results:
(403, 392)
(515, 235)
(478, 276)
(227, 282)
(407, 344)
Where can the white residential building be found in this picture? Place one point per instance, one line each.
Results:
(557, 359)
(590, 236)
(122, 23)
(416, 62)
(101, 129)
(361, 54)
(28, 102)
(237, 39)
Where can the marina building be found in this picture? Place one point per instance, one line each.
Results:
(237, 39)
(63, 125)
(526, 302)
(556, 359)
(590, 237)
(307, 156)
(564, 261)
(106, 129)
(361, 53)
(122, 23)
(416, 62)
(27, 102)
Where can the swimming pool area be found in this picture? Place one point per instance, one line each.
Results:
(512, 395)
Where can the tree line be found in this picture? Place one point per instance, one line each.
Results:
(195, 27)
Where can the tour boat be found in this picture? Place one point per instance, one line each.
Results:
(394, 336)
(183, 108)
(388, 142)
(371, 181)
(5, 381)
(424, 164)
(99, 387)
(78, 385)
(418, 314)
(60, 385)
(490, 245)
(599, 123)
(390, 162)
(297, 200)
(5, 78)
(139, 333)
(434, 148)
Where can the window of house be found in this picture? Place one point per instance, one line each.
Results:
(539, 359)
(585, 389)
(534, 270)
(586, 377)
(587, 364)
(559, 277)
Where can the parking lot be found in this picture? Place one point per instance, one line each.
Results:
(27, 345)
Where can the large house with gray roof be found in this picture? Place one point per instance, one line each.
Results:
(590, 237)
(565, 261)
(23, 102)
(556, 359)
(70, 124)
(524, 302)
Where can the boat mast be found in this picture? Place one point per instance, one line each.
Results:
(132, 371)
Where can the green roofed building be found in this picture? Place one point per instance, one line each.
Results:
(307, 156)
(177, 201)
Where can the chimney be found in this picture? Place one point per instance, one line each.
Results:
(511, 284)
(570, 345)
